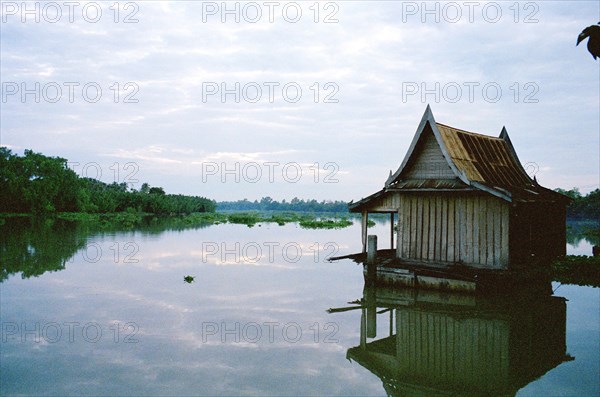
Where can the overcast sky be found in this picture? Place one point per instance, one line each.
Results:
(314, 100)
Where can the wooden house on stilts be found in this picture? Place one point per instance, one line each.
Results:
(463, 200)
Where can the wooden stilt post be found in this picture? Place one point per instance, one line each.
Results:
(391, 230)
(371, 303)
(372, 260)
(363, 329)
(363, 225)
(372, 249)
(400, 235)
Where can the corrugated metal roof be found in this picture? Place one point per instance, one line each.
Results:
(484, 159)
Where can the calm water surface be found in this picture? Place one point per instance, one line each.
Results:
(117, 318)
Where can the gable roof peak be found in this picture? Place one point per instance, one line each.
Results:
(504, 134)
(427, 116)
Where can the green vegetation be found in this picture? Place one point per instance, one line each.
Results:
(188, 279)
(577, 269)
(583, 229)
(307, 221)
(582, 207)
(129, 219)
(205, 218)
(41, 185)
(119, 220)
(38, 184)
(325, 223)
(244, 218)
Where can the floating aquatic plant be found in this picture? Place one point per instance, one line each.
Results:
(188, 279)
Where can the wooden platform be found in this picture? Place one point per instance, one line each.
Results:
(390, 271)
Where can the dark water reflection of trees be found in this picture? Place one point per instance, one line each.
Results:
(33, 246)
(583, 230)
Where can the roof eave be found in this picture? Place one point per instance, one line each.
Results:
(494, 191)
(357, 207)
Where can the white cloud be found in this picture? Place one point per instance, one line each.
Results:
(370, 54)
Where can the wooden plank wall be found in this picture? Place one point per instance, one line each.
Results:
(430, 162)
(472, 229)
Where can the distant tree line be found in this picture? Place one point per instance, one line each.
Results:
(296, 204)
(582, 207)
(38, 184)
(35, 183)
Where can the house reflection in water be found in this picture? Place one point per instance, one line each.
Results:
(449, 344)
